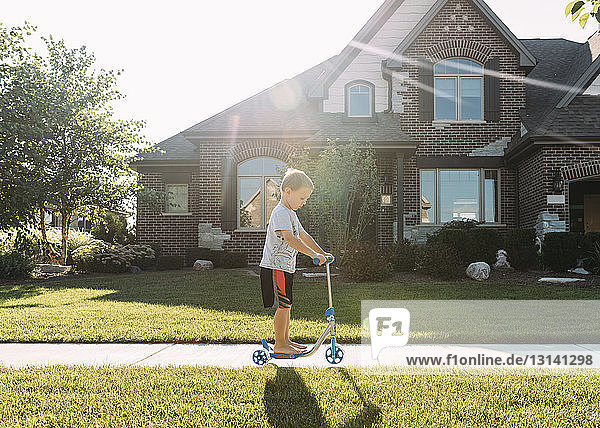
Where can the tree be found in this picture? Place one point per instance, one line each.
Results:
(57, 116)
(19, 127)
(344, 202)
(583, 10)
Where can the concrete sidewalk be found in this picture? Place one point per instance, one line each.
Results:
(16, 355)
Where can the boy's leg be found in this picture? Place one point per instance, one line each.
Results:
(287, 336)
(280, 323)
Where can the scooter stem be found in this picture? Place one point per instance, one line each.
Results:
(329, 286)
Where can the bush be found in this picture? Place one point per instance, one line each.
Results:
(364, 262)
(222, 259)
(472, 244)
(143, 256)
(591, 262)
(589, 243)
(560, 250)
(101, 257)
(111, 227)
(440, 261)
(402, 256)
(169, 262)
(520, 249)
(15, 265)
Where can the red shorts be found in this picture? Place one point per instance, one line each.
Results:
(276, 288)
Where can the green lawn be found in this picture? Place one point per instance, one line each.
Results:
(210, 307)
(287, 397)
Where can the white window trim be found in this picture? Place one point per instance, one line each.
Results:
(371, 95)
(437, 213)
(457, 78)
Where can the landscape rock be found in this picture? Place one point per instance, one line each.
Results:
(134, 269)
(478, 271)
(561, 280)
(203, 265)
(48, 268)
(501, 261)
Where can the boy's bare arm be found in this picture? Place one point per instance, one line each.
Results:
(298, 245)
(311, 243)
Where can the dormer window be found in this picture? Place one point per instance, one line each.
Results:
(360, 99)
(458, 90)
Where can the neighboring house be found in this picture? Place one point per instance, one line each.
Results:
(468, 122)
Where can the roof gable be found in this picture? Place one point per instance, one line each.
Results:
(588, 76)
(351, 51)
(526, 58)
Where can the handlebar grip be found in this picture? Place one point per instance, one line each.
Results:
(327, 260)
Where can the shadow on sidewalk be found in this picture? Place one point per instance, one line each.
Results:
(287, 391)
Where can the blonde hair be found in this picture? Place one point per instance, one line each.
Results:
(295, 179)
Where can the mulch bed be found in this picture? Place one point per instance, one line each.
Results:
(498, 276)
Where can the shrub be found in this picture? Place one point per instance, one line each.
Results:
(472, 244)
(102, 257)
(364, 262)
(591, 262)
(223, 259)
(110, 227)
(560, 250)
(143, 256)
(520, 249)
(156, 247)
(15, 265)
(402, 256)
(439, 260)
(169, 262)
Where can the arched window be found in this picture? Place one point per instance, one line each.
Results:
(458, 90)
(258, 190)
(360, 99)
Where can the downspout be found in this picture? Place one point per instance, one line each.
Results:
(386, 73)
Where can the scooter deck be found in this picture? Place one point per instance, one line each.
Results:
(280, 355)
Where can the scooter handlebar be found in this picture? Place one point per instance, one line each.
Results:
(327, 260)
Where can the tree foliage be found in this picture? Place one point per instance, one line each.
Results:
(583, 10)
(344, 202)
(60, 142)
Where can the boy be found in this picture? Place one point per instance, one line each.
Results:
(285, 238)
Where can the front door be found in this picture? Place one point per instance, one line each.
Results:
(591, 213)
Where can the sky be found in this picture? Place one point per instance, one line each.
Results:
(185, 61)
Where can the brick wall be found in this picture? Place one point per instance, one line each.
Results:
(460, 30)
(536, 176)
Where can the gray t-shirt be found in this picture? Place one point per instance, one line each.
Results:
(277, 253)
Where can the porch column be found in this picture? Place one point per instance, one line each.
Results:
(400, 200)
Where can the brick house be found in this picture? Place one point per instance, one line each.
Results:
(468, 122)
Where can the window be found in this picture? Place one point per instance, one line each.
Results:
(459, 194)
(458, 90)
(177, 198)
(258, 191)
(359, 99)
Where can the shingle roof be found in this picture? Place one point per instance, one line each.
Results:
(579, 119)
(173, 148)
(560, 62)
(386, 129)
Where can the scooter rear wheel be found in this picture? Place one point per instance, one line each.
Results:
(260, 357)
(334, 359)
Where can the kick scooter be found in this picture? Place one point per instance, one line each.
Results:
(333, 354)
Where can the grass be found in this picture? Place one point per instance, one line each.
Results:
(220, 306)
(286, 397)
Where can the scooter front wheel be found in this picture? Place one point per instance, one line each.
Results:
(334, 359)
(260, 357)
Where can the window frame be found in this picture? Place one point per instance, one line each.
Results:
(457, 88)
(347, 88)
(481, 202)
(187, 193)
(263, 188)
